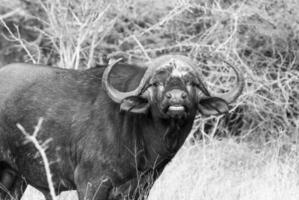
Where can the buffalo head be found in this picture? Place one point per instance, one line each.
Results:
(171, 88)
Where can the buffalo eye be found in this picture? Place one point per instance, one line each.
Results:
(192, 83)
(156, 84)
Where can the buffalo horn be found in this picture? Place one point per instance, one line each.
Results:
(116, 95)
(237, 90)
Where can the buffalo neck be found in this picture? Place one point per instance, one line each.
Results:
(155, 139)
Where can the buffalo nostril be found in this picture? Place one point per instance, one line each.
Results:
(168, 95)
(184, 95)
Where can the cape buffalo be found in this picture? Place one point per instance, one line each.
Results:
(106, 124)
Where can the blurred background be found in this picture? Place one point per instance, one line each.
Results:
(251, 153)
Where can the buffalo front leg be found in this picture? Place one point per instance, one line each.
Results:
(12, 187)
(91, 186)
(94, 190)
(18, 188)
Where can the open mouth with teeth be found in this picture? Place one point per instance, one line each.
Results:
(176, 108)
(176, 111)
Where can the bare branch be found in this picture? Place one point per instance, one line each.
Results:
(17, 37)
(33, 138)
(9, 14)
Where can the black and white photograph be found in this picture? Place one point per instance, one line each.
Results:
(149, 99)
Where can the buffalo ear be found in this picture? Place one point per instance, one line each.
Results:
(212, 106)
(135, 104)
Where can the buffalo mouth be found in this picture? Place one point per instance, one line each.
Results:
(176, 108)
(176, 111)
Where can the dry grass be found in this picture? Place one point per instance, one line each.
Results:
(259, 36)
(230, 170)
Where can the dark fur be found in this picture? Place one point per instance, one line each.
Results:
(92, 141)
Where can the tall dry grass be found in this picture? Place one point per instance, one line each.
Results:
(258, 36)
(229, 170)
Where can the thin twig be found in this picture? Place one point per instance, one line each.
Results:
(10, 14)
(17, 38)
(33, 138)
(141, 47)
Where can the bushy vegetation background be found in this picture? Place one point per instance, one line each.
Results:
(255, 155)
